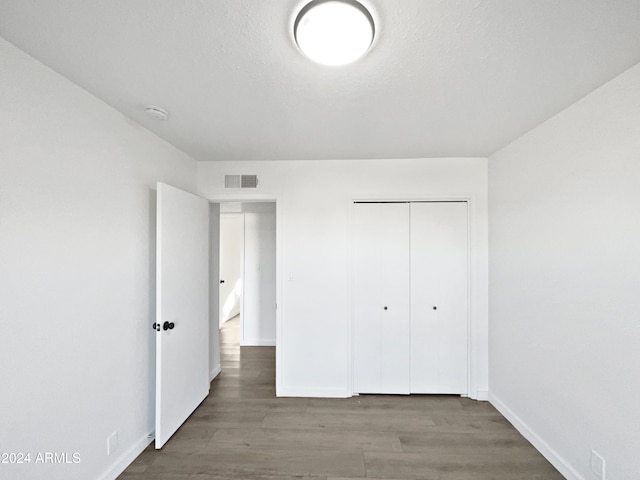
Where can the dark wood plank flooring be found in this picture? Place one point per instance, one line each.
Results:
(242, 431)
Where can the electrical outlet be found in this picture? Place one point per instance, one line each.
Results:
(597, 465)
(112, 443)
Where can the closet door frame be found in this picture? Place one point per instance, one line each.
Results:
(472, 273)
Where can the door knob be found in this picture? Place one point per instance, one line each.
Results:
(435, 308)
(221, 281)
(386, 308)
(167, 326)
(156, 327)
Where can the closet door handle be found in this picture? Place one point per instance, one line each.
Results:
(386, 308)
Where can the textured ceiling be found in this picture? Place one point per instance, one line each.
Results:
(443, 78)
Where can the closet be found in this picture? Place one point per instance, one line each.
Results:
(410, 297)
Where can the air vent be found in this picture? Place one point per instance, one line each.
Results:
(240, 181)
(249, 181)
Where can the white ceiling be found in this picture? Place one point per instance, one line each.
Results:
(444, 77)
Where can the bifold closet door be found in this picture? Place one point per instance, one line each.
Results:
(381, 298)
(439, 297)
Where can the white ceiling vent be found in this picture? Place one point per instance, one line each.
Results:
(240, 181)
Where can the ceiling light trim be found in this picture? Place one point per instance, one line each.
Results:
(360, 7)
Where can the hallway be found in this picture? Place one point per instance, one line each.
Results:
(242, 431)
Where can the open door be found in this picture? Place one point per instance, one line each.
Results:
(182, 308)
(231, 258)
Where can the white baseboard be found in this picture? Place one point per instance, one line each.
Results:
(482, 395)
(258, 343)
(124, 460)
(214, 373)
(538, 442)
(313, 392)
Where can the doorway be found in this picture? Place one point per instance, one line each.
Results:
(245, 204)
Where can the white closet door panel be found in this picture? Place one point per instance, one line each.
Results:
(381, 271)
(439, 272)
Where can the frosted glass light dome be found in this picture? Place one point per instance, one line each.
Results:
(334, 32)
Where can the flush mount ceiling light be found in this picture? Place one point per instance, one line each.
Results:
(334, 32)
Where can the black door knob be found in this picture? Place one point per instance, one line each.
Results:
(435, 308)
(168, 325)
(156, 327)
(385, 308)
(221, 281)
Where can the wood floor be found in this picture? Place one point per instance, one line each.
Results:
(242, 431)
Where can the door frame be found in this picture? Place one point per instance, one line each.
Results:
(257, 197)
(473, 271)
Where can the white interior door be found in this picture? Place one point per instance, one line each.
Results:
(182, 308)
(439, 297)
(231, 259)
(381, 298)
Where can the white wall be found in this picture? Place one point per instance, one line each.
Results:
(259, 294)
(565, 282)
(231, 253)
(77, 233)
(315, 201)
